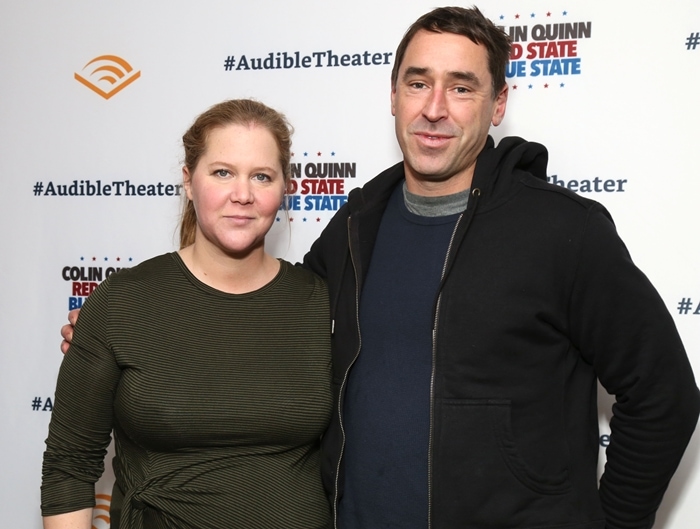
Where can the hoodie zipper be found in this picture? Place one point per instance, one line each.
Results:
(475, 193)
(345, 376)
(432, 378)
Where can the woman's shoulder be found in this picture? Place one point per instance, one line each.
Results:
(299, 273)
(154, 268)
(303, 279)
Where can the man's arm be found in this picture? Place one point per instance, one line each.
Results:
(621, 325)
(67, 330)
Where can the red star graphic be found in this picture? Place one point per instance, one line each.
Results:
(515, 87)
(94, 258)
(549, 14)
(119, 258)
(318, 219)
(318, 153)
(517, 16)
(546, 85)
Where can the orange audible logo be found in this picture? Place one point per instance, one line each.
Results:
(100, 513)
(112, 72)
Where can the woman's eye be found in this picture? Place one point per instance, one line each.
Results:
(221, 172)
(262, 177)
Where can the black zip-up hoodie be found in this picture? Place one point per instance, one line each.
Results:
(539, 300)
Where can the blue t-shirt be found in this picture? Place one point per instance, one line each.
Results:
(387, 402)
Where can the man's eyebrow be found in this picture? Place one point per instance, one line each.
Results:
(414, 70)
(469, 77)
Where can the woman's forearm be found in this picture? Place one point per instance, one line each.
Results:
(71, 520)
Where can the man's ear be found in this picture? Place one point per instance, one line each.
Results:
(499, 108)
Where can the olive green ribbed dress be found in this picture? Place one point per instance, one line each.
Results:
(217, 402)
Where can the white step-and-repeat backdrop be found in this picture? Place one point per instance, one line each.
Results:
(95, 96)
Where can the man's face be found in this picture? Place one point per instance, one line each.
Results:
(443, 104)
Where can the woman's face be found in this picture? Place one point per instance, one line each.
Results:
(236, 189)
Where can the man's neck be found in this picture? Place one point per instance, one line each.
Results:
(421, 186)
(440, 206)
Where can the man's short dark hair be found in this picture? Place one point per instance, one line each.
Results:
(470, 23)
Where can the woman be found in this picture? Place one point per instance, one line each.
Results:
(211, 365)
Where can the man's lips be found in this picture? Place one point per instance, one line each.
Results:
(431, 139)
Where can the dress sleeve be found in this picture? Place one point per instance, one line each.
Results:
(81, 421)
(623, 328)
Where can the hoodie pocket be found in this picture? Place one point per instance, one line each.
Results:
(478, 473)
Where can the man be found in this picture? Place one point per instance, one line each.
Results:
(474, 308)
(467, 340)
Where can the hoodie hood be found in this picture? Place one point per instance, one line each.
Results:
(500, 168)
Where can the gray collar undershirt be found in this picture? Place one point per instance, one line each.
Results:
(435, 206)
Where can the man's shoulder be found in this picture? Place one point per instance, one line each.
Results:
(550, 191)
(378, 189)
